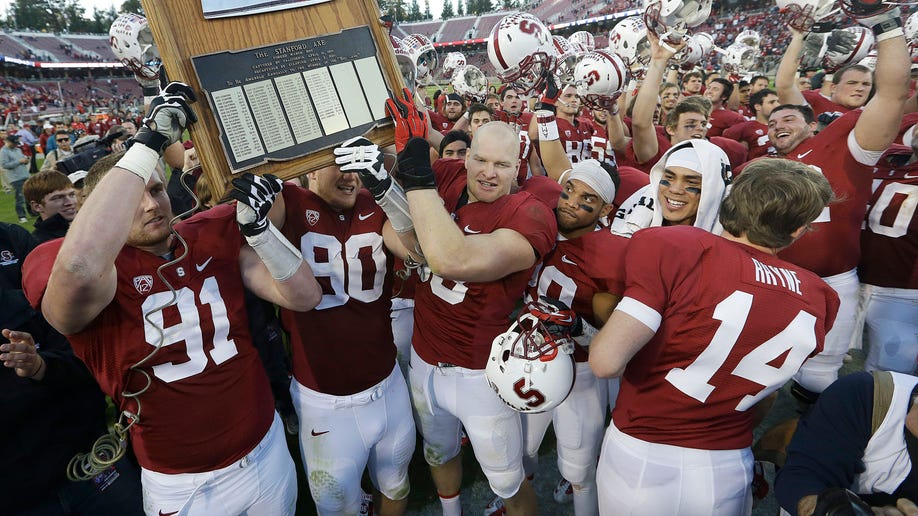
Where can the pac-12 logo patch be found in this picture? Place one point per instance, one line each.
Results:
(312, 216)
(144, 283)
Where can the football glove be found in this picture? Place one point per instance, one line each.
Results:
(408, 119)
(254, 195)
(550, 93)
(167, 117)
(414, 169)
(364, 157)
(557, 317)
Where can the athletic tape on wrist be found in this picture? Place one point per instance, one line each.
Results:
(548, 127)
(395, 204)
(139, 160)
(893, 33)
(279, 256)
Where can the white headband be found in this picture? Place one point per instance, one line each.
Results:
(591, 173)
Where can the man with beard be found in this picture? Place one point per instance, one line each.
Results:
(452, 112)
(160, 322)
(753, 134)
(846, 152)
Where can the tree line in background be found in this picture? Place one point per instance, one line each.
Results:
(405, 11)
(63, 16)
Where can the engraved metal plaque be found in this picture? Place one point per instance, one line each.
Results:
(287, 100)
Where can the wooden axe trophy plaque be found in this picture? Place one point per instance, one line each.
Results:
(279, 83)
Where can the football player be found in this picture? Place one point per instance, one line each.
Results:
(753, 134)
(480, 244)
(850, 87)
(846, 152)
(585, 271)
(889, 252)
(158, 318)
(708, 327)
(349, 393)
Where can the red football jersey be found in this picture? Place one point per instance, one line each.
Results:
(889, 241)
(722, 119)
(522, 172)
(754, 134)
(629, 160)
(440, 122)
(632, 181)
(456, 321)
(736, 324)
(822, 105)
(833, 247)
(599, 144)
(209, 402)
(575, 270)
(344, 345)
(576, 138)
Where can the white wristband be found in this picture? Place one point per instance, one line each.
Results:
(279, 256)
(139, 160)
(548, 127)
(395, 205)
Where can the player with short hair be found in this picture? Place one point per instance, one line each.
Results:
(753, 134)
(719, 92)
(455, 145)
(585, 272)
(348, 391)
(708, 327)
(846, 152)
(480, 244)
(52, 196)
(159, 319)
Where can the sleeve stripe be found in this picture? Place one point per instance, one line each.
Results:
(647, 315)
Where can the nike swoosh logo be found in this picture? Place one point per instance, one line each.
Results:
(565, 259)
(317, 434)
(161, 513)
(470, 230)
(801, 156)
(909, 175)
(200, 267)
(365, 216)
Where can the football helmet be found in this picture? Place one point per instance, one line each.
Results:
(669, 19)
(530, 368)
(600, 77)
(422, 51)
(132, 42)
(521, 49)
(738, 59)
(860, 45)
(452, 62)
(405, 64)
(566, 60)
(750, 38)
(870, 61)
(911, 34)
(629, 40)
(585, 39)
(802, 14)
(691, 54)
(706, 41)
(470, 82)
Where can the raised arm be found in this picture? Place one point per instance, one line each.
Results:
(785, 78)
(272, 267)
(879, 123)
(83, 278)
(447, 250)
(644, 135)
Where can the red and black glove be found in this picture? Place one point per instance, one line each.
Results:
(550, 93)
(409, 121)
